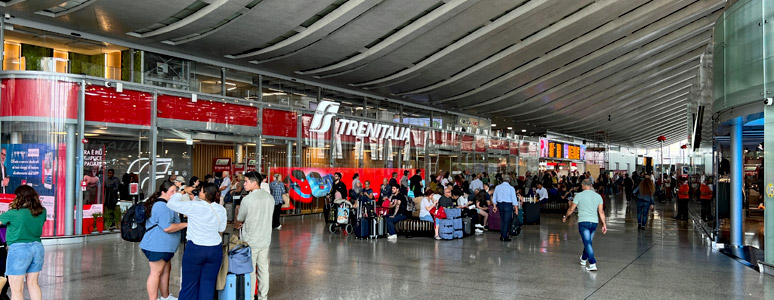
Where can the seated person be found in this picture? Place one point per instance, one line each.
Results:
(482, 207)
(467, 206)
(399, 212)
(428, 203)
(446, 200)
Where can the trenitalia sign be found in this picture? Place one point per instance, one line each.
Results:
(326, 110)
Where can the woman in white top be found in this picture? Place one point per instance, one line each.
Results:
(265, 184)
(427, 203)
(203, 252)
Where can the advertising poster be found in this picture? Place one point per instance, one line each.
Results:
(32, 165)
(306, 184)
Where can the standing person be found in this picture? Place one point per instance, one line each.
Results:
(645, 201)
(476, 185)
(277, 190)
(683, 195)
(394, 180)
(5, 178)
(398, 204)
(385, 189)
(445, 180)
(24, 219)
(256, 217)
(161, 239)
(179, 182)
(203, 253)
(706, 200)
(357, 186)
(225, 187)
(506, 204)
(112, 211)
(628, 184)
(404, 183)
(590, 212)
(338, 186)
(415, 183)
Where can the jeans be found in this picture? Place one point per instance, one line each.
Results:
(586, 230)
(200, 271)
(506, 215)
(643, 209)
(24, 258)
(275, 218)
(391, 221)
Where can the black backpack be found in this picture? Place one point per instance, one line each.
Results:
(133, 223)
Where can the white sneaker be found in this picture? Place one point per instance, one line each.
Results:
(591, 267)
(479, 226)
(479, 230)
(583, 261)
(437, 237)
(278, 227)
(392, 237)
(169, 298)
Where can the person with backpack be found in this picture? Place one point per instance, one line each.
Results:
(161, 239)
(24, 220)
(203, 253)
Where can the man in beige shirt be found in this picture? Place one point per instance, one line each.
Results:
(256, 212)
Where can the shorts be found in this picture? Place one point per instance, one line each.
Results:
(24, 258)
(157, 256)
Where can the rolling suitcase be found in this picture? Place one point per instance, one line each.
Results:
(363, 229)
(446, 229)
(467, 226)
(494, 220)
(237, 288)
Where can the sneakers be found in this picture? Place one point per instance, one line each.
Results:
(170, 297)
(392, 236)
(437, 237)
(278, 227)
(591, 267)
(583, 261)
(479, 226)
(479, 230)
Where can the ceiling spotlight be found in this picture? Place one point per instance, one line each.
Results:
(493, 125)
(523, 130)
(510, 128)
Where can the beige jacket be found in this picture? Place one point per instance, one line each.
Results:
(220, 283)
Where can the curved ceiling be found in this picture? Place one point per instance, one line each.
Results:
(621, 68)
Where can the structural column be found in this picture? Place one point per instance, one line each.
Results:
(736, 181)
(768, 182)
(70, 179)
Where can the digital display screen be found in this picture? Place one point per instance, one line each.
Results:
(553, 149)
(573, 152)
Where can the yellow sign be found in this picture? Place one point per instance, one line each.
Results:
(770, 190)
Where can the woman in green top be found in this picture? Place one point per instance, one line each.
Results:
(25, 220)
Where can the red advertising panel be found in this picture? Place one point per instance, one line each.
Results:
(181, 108)
(417, 138)
(221, 164)
(279, 123)
(104, 104)
(39, 98)
(498, 144)
(480, 143)
(467, 143)
(514, 147)
(306, 184)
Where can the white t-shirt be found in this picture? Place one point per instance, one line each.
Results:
(205, 220)
(445, 182)
(227, 183)
(424, 204)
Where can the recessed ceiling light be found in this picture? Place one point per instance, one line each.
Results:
(510, 128)
(523, 130)
(493, 125)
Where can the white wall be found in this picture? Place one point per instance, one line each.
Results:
(622, 159)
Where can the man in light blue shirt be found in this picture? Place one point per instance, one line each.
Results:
(505, 202)
(476, 185)
(590, 211)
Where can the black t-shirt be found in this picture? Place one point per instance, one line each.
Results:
(416, 185)
(339, 187)
(446, 202)
(403, 202)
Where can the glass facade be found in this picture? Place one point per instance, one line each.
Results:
(63, 129)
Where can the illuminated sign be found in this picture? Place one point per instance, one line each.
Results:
(326, 110)
(553, 149)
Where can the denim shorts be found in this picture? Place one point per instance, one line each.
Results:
(157, 256)
(427, 218)
(24, 258)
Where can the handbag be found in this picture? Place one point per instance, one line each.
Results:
(438, 212)
(240, 259)
(285, 201)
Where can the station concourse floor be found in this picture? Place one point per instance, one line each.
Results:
(667, 261)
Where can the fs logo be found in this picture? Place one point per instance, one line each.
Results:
(321, 121)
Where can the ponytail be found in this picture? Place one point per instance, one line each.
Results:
(164, 187)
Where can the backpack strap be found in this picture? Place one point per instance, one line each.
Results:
(154, 226)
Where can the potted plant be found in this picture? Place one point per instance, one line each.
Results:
(99, 222)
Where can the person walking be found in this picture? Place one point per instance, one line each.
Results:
(256, 217)
(645, 201)
(706, 200)
(590, 213)
(24, 220)
(628, 184)
(277, 190)
(415, 183)
(203, 253)
(161, 239)
(683, 195)
(506, 204)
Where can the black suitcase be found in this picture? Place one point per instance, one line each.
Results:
(516, 226)
(363, 228)
(467, 226)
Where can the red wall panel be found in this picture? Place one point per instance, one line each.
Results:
(181, 108)
(280, 123)
(104, 104)
(39, 98)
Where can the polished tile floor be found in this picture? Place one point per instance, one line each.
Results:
(668, 261)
